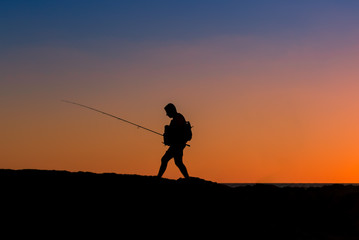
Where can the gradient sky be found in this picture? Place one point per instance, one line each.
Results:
(271, 87)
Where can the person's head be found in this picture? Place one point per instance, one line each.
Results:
(170, 110)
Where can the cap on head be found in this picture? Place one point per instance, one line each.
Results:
(170, 109)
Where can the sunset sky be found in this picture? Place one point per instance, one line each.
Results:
(271, 87)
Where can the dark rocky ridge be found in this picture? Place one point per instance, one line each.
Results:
(145, 205)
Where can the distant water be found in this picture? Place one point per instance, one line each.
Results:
(282, 185)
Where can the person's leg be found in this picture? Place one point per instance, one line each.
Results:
(181, 166)
(164, 162)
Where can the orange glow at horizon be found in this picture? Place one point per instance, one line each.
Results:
(263, 117)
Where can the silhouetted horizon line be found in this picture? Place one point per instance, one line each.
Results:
(230, 184)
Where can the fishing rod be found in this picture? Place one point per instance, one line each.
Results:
(124, 120)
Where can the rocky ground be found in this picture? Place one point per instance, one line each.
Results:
(110, 205)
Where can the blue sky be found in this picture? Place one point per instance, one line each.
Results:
(80, 22)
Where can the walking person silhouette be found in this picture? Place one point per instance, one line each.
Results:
(175, 138)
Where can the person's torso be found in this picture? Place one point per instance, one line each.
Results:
(178, 121)
(177, 126)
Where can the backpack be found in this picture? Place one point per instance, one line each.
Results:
(188, 132)
(169, 136)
